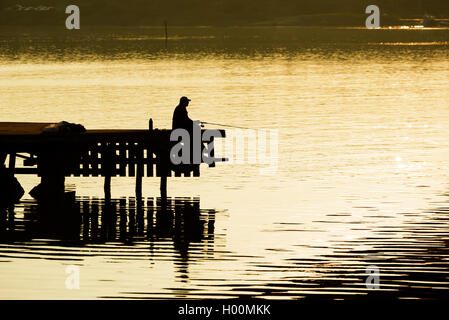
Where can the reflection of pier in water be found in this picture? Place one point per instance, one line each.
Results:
(125, 220)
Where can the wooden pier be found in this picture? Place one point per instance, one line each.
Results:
(94, 153)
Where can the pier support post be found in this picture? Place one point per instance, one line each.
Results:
(52, 187)
(162, 167)
(51, 167)
(164, 189)
(163, 193)
(107, 171)
(140, 169)
(12, 162)
(107, 188)
(138, 187)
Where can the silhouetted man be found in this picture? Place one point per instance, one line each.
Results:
(181, 120)
(180, 116)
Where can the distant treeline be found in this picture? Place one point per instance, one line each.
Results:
(212, 12)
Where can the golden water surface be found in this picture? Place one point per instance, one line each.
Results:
(363, 163)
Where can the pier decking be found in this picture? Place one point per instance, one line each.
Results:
(106, 153)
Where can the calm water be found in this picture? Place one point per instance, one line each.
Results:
(363, 164)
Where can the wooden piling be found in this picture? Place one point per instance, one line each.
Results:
(12, 161)
(164, 187)
(107, 170)
(86, 219)
(139, 173)
(138, 187)
(51, 165)
(107, 188)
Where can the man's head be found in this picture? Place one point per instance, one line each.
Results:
(184, 101)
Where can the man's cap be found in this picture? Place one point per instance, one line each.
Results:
(185, 99)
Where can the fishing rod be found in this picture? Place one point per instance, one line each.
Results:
(226, 125)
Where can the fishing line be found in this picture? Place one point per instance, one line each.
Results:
(226, 125)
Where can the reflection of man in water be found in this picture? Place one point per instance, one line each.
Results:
(180, 116)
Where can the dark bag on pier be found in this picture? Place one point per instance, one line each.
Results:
(64, 127)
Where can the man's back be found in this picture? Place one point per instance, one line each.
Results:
(181, 118)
